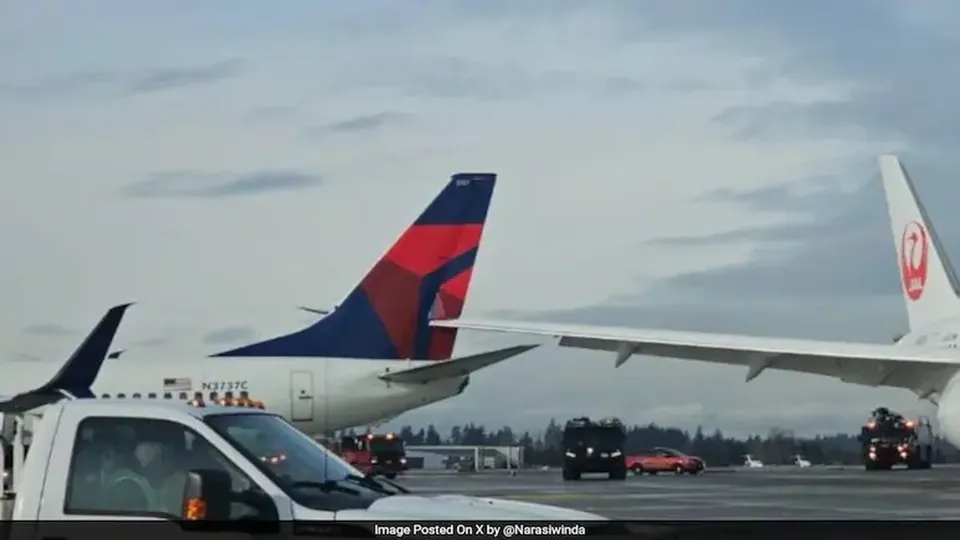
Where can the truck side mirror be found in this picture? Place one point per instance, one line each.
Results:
(206, 496)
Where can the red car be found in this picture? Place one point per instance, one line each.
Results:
(661, 459)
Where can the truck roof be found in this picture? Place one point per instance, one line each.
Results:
(151, 407)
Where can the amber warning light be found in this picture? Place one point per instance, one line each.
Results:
(195, 509)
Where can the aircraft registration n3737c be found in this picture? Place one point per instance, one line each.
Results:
(372, 358)
(925, 360)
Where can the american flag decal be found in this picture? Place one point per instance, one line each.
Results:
(177, 384)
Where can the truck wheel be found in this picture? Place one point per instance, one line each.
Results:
(390, 475)
(636, 469)
(618, 474)
(571, 475)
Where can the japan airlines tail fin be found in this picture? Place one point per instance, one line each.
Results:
(76, 376)
(928, 280)
(424, 276)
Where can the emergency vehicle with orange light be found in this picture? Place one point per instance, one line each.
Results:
(888, 439)
(374, 453)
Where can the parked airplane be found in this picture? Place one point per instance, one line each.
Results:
(925, 360)
(370, 359)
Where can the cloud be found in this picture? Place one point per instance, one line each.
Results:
(163, 79)
(232, 334)
(116, 84)
(47, 329)
(271, 114)
(360, 124)
(201, 185)
(24, 357)
(58, 86)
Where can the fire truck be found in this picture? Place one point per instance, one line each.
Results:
(374, 453)
(888, 439)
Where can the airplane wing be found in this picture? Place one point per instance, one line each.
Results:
(456, 367)
(921, 369)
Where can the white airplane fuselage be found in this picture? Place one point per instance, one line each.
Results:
(946, 390)
(318, 395)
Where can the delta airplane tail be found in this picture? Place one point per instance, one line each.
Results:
(424, 276)
(929, 282)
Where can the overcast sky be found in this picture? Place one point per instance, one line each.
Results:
(699, 165)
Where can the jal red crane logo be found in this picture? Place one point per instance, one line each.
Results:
(914, 253)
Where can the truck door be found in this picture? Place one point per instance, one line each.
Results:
(301, 396)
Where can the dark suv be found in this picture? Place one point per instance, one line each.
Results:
(594, 447)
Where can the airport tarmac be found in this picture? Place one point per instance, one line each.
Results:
(771, 493)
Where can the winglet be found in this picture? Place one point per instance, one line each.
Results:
(77, 375)
(83, 366)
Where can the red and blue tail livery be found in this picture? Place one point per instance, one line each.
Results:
(424, 276)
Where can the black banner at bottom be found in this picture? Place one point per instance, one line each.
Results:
(652, 530)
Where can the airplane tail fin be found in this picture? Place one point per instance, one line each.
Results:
(928, 280)
(77, 375)
(425, 275)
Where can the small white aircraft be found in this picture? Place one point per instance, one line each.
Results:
(370, 359)
(801, 461)
(749, 461)
(925, 360)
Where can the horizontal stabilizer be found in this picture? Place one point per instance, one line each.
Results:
(314, 310)
(77, 375)
(456, 367)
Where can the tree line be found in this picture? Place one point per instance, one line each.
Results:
(778, 446)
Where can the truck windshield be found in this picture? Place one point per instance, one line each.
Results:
(385, 446)
(888, 431)
(305, 470)
(611, 438)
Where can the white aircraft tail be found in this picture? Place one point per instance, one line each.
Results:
(928, 280)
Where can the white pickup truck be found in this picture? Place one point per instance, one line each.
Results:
(90, 459)
(76, 459)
